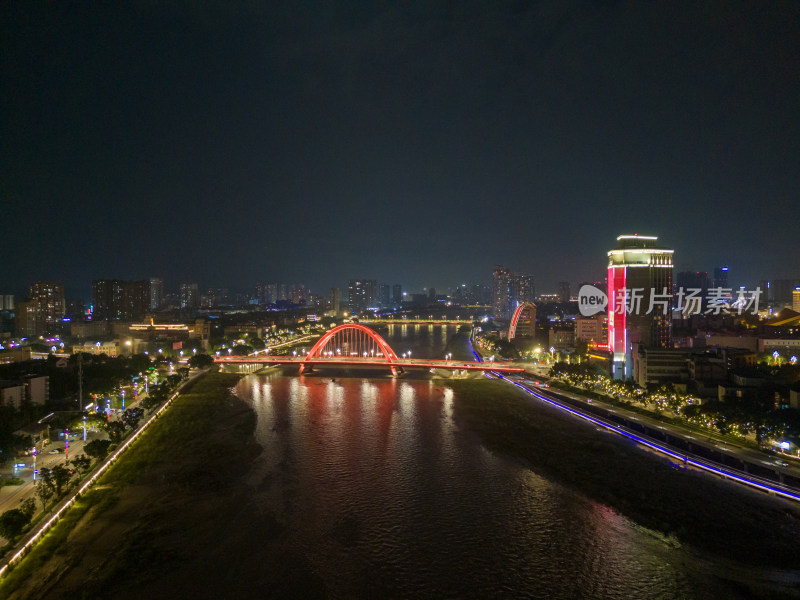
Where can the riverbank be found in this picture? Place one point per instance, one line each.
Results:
(710, 515)
(134, 523)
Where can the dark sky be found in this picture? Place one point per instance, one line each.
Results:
(411, 142)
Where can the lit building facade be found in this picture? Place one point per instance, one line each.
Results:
(189, 298)
(639, 299)
(362, 294)
(522, 290)
(48, 306)
(156, 293)
(120, 300)
(501, 292)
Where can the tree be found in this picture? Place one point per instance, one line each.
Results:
(132, 416)
(12, 522)
(256, 342)
(60, 478)
(139, 362)
(82, 463)
(116, 430)
(242, 350)
(45, 487)
(97, 449)
(201, 361)
(28, 507)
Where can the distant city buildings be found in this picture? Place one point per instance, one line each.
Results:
(43, 311)
(592, 330)
(189, 298)
(397, 294)
(25, 317)
(156, 293)
(522, 290)
(689, 280)
(563, 291)
(362, 294)
(114, 299)
(335, 300)
(509, 291)
(721, 277)
(501, 292)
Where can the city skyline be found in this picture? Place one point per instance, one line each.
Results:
(231, 144)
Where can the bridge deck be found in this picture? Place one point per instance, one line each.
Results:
(450, 365)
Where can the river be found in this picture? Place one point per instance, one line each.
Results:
(386, 495)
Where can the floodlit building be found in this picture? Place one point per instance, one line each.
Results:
(639, 299)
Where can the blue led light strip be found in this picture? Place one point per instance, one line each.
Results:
(658, 448)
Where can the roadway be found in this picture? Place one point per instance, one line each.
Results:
(686, 444)
(410, 363)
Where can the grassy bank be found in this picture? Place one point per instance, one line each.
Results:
(199, 444)
(708, 514)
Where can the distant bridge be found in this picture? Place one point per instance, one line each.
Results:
(355, 345)
(419, 321)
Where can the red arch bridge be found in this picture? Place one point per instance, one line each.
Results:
(354, 345)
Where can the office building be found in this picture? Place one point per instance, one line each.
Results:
(721, 277)
(48, 306)
(156, 293)
(335, 301)
(189, 298)
(501, 292)
(271, 293)
(25, 318)
(796, 299)
(362, 294)
(592, 330)
(118, 300)
(563, 291)
(782, 291)
(639, 297)
(522, 290)
(397, 294)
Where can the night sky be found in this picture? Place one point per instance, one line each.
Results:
(411, 142)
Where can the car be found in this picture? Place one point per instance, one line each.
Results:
(52, 451)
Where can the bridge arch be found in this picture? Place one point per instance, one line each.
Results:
(523, 323)
(351, 340)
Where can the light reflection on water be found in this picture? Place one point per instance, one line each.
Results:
(381, 489)
(386, 496)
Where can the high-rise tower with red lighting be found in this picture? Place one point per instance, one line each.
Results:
(639, 299)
